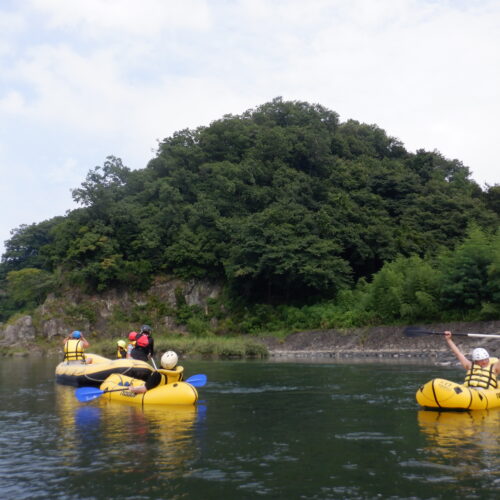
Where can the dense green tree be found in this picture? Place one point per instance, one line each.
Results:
(29, 287)
(282, 203)
(469, 275)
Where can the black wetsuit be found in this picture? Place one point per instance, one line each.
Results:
(143, 353)
(153, 380)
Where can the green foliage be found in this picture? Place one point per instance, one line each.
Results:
(29, 287)
(288, 207)
(470, 273)
(198, 326)
(81, 313)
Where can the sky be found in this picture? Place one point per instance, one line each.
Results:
(84, 79)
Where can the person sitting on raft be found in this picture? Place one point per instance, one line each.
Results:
(482, 371)
(121, 352)
(74, 345)
(131, 344)
(144, 345)
(168, 362)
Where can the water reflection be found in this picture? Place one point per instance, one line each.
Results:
(106, 434)
(466, 439)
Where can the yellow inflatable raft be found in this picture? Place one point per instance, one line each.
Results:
(79, 374)
(446, 395)
(175, 392)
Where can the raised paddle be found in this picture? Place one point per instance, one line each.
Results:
(418, 331)
(85, 394)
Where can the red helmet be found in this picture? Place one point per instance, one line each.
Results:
(143, 341)
(132, 336)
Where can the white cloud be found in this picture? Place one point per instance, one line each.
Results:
(87, 78)
(96, 18)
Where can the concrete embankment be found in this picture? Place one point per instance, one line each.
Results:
(383, 342)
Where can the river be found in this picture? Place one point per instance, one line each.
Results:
(261, 430)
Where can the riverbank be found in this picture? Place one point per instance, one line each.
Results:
(383, 342)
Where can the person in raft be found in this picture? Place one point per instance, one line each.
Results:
(168, 362)
(144, 345)
(121, 352)
(482, 371)
(74, 345)
(131, 343)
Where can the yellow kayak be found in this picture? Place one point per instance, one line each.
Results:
(175, 392)
(443, 394)
(80, 374)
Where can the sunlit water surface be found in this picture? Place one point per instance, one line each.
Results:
(261, 430)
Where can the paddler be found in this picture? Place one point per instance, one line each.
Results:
(131, 343)
(121, 352)
(74, 345)
(144, 345)
(168, 362)
(482, 371)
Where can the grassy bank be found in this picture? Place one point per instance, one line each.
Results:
(188, 347)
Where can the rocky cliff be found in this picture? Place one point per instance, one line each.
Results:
(109, 314)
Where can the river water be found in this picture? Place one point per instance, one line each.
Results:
(261, 430)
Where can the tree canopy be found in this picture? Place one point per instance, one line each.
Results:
(283, 203)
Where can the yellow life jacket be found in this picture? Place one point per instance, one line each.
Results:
(485, 377)
(174, 375)
(121, 353)
(73, 350)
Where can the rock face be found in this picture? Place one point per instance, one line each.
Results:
(74, 310)
(22, 331)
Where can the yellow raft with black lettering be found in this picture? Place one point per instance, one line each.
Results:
(443, 394)
(174, 392)
(80, 374)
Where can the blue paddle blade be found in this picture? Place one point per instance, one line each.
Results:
(84, 394)
(197, 380)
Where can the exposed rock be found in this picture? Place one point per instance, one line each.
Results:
(54, 327)
(21, 331)
(96, 314)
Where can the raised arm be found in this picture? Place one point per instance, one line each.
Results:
(85, 342)
(457, 352)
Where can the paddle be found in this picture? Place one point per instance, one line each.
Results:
(85, 394)
(418, 331)
(153, 361)
(197, 380)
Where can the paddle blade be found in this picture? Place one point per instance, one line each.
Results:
(197, 380)
(84, 394)
(417, 331)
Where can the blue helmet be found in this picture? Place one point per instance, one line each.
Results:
(76, 334)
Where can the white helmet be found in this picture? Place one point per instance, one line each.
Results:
(479, 354)
(169, 360)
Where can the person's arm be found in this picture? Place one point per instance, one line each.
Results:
(457, 352)
(138, 389)
(496, 367)
(85, 343)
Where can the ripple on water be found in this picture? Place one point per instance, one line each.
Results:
(236, 389)
(368, 436)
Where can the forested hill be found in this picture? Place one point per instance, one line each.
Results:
(282, 203)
